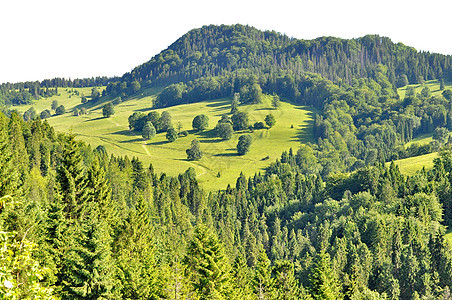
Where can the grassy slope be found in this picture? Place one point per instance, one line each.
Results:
(433, 85)
(219, 156)
(409, 166)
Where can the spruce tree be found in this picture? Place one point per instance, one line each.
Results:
(208, 266)
(17, 146)
(88, 265)
(285, 284)
(324, 284)
(8, 171)
(262, 281)
(70, 177)
(136, 255)
(242, 277)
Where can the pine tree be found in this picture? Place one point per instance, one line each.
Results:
(262, 281)
(138, 175)
(57, 239)
(99, 193)
(174, 282)
(8, 172)
(70, 178)
(208, 266)
(136, 255)
(241, 275)
(324, 284)
(285, 284)
(89, 270)
(17, 146)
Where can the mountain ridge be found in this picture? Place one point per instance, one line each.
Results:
(217, 50)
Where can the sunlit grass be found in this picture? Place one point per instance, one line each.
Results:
(220, 164)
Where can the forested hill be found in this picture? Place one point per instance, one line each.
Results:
(220, 50)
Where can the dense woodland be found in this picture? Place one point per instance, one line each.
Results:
(326, 221)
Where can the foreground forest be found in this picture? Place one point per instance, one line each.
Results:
(327, 220)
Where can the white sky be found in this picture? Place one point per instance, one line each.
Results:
(75, 39)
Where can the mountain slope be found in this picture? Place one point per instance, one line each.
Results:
(219, 50)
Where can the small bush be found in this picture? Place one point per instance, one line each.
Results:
(259, 125)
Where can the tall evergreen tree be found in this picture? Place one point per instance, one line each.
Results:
(70, 177)
(8, 172)
(89, 267)
(286, 286)
(324, 284)
(208, 266)
(263, 282)
(135, 255)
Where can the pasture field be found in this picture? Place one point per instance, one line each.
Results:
(409, 166)
(220, 164)
(421, 140)
(433, 85)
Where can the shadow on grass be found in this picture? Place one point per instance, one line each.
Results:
(124, 132)
(145, 109)
(266, 108)
(132, 140)
(95, 119)
(158, 143)
(305, 133)
(210, 141)
(226, 154)
(219, 103)
(208, 134)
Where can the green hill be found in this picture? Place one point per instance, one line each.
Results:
(220, 165)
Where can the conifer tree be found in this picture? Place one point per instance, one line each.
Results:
(242, 276)
(173, 279)
(8, 172)
(89, 270)
(208, 266)
(136, 255)
(17, 146)
(323, 281)
(99, 193)
(262, 281)
(57, 239)
(285, 284)
(70, 177)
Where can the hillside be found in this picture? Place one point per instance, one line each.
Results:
(219, 50)
(220, 165)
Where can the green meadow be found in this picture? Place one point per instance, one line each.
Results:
(433, 85)
(220, 164)
(409, 166)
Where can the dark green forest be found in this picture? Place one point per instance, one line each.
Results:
(329, 220)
